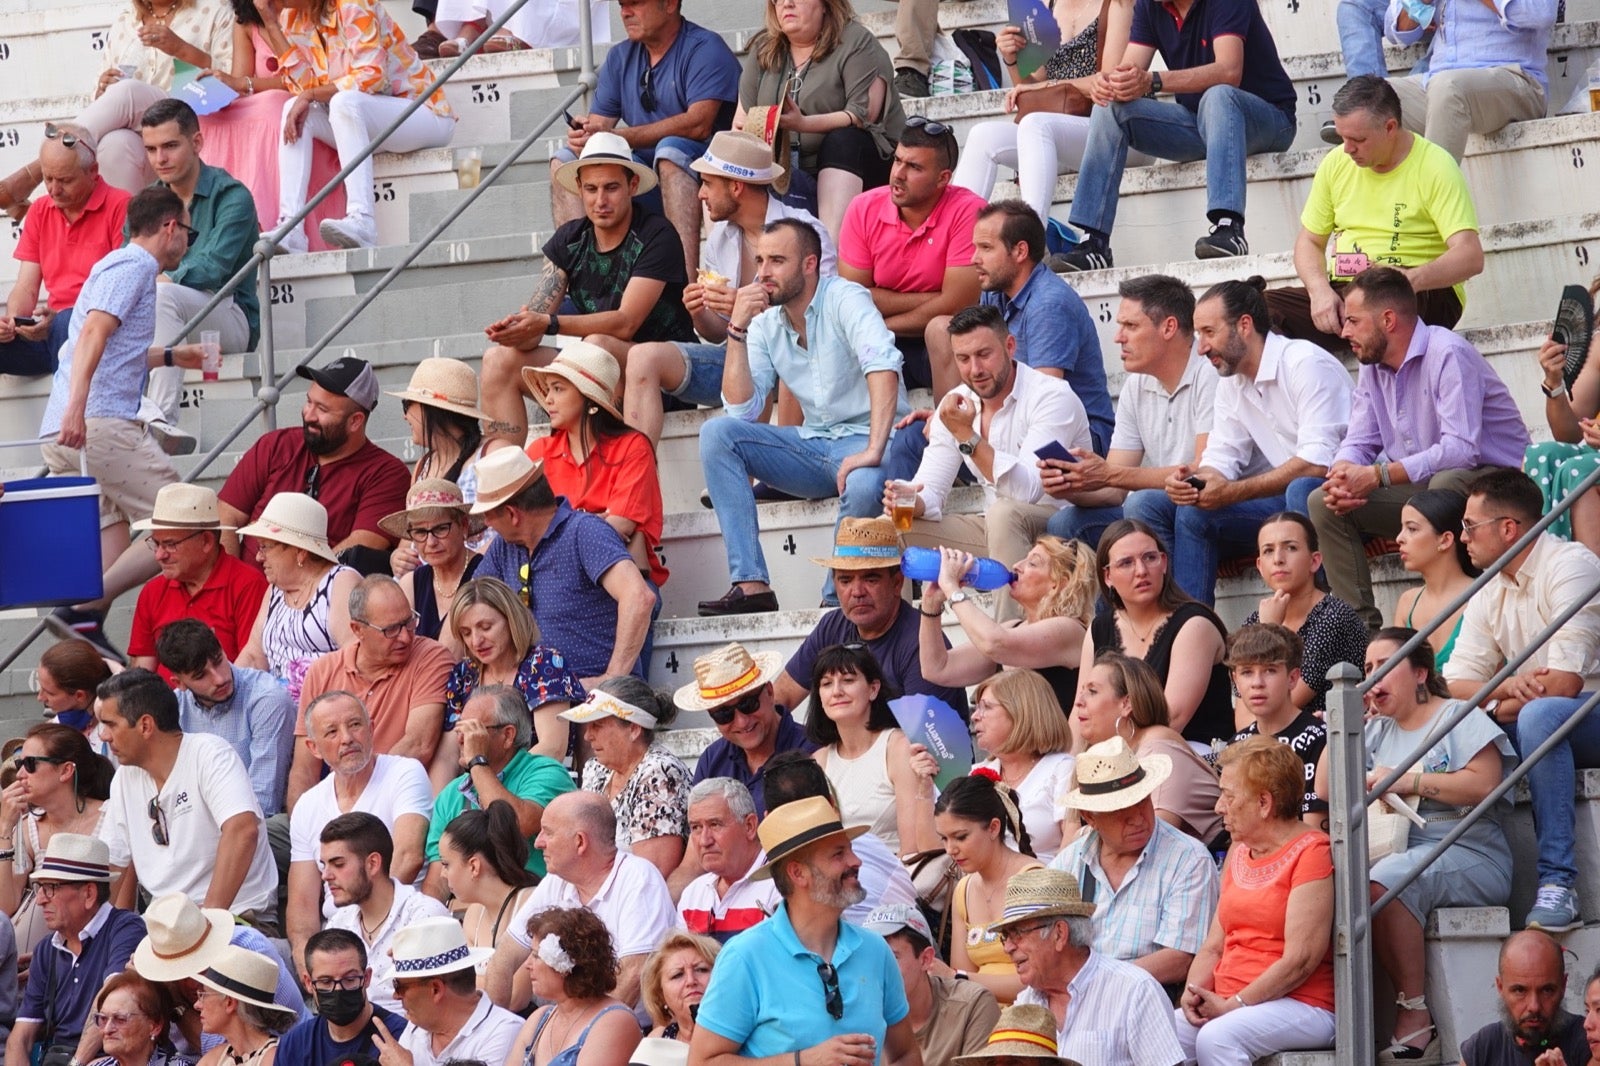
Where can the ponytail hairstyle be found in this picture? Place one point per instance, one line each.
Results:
(981, 797)
(493, 833)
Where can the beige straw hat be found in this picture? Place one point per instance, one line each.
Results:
(429, 494)
(587, 367)
(1024, 1031)
(723, 675)
(180, 938)
(796, 825)
(182, 506)
(246, 976)
(1112, 777)
(448, 384)
(864, 544)
(295, 519)
(501, 475)
(1041, 893)
(605, 147)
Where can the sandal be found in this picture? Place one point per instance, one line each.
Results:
(454, 47)
(504, 42)
(1401, 1050)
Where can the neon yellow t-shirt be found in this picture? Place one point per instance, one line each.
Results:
(1400, 219)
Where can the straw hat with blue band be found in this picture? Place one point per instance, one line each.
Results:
(864, 544)
(1041, 893)
(739, 157)
(434, 946)
(74, 857)
(787, 829)
(1024, 1031)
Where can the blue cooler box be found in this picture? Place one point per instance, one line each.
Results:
(50, 542)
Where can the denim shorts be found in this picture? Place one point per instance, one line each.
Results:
(702, 382)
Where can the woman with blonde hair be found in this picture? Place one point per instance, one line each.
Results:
(1017, 720)
(1056, 588)
(1122, 697)
(674, 981)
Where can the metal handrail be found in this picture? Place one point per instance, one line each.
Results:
(270, 393)
(1348, 796)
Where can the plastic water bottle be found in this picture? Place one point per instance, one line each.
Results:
(986, 575)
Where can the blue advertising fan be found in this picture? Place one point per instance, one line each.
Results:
(1039, 29)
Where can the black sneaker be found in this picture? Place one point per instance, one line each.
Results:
(1330, 135)
(1222, 242)
(909, 82)
(1092, 253)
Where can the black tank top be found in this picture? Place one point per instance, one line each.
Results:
(431, 621)
(1213, 719)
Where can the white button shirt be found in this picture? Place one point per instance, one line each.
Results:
(1503, 618)
(1117, 1016)
(488, 1035)
(1298, 406)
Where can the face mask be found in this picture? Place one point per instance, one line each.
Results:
(77, 720)
(341, 1007)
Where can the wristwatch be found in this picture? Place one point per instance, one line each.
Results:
(959, 597)
(1555, 393)
(1155, 83)
(554, 327)
(475, 762)
(970, 445)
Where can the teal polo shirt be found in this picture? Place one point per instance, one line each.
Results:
(537, 778)
(224, 213)
(767, 997)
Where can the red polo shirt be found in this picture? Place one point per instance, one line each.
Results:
(228, 602)
(873, 238)
(67, 251)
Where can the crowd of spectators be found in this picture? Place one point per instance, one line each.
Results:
(381, 774)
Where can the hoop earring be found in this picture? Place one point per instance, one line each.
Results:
(1131, 729)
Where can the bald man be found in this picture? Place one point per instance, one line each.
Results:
(1532, 980)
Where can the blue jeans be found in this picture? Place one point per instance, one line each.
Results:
(702, 379)
(1087, 524)
(1361, 38)
(1230, 125)
(1553, 779)
(36, 358)
(1297, 497)
(734, 451)
(1196, 538)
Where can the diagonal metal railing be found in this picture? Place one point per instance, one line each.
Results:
(1355, 1024)
(271, 391)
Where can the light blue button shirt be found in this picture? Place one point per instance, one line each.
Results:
(123, 285)
(1472, 37)
(845, 341)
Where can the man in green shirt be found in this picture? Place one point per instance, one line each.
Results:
(496, 730)
(225, 230)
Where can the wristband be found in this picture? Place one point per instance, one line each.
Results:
(929, 614)
(797, 1058)
(735, 333)
(8, 855)
(1382, 470)
(166, 355)
(1416, 784)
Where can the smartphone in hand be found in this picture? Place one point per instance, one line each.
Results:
(1055, 450)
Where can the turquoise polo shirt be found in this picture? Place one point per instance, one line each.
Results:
(767, 997)
(537, 778)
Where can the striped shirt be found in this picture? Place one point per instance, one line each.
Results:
(1117, 1016)
(1167, 899)
(746, 903)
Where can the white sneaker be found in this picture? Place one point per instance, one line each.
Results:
(352, 231)
(294, 242)
(173, 440)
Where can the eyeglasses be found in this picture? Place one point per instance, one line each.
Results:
(170, 545)
(313, 476)
(30, 763)
(348, 983)
(402, 987)
(920, 122)
(104, 1021)
(832, 997)
(438, 532)
(203, 992)
(1150, 560)
(747, 706)
(1020, 931)
(52, 132)
(193, 233)
(1469, 528)
(48, 889)
(393, 629)
(647, 95)
(526, 591)
(158, 822)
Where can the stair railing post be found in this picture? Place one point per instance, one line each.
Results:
(266, 351)
(1354, 1027)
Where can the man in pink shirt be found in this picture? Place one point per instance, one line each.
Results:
(910, 242)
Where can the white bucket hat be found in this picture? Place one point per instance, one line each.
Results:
(295, 519)
(605, 147)
(432, 947)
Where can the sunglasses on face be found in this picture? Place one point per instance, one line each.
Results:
(747, 706)
(30, 763)
(190, 232)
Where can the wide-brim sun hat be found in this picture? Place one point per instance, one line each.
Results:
(295, 519)
(1024, 1031)
(864, 544)
(1041, 893)
(589, 368)
(448, 384)
(739, 157)
(605, 147)
(797, 825)
(1113, 777)
(182, 506)
(429, 494)
(502, 474)
(181, 939)
(433, 947)
(726, 673)
(245, 975)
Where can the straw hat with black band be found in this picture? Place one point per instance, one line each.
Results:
(182, 506)
(723, 675)
(605, 147)
(1112, 777)
(246, 976)
(864, 544)
(794, 826)
(589, 368)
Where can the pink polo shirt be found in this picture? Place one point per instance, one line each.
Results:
(874, 239)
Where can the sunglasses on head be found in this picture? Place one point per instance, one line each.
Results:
(52, 132)
(723, 715)
(921, 122)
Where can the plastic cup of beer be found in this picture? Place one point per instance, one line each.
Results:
(210, 354)
(469, 167)
(905, 504)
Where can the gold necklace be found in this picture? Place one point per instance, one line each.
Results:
(1147, 634)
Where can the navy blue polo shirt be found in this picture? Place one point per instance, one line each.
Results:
(723, 759)
(310, 1044)
(698, 65)
(576, 615)
(898, 651)
(61, 986)
(1189, 43)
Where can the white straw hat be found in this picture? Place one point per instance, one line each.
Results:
(434, 946)
(501, 475)
(246, 976)
(180, 938)
(605, 147)
(1112, 777)
(295, 519)
(182, 506)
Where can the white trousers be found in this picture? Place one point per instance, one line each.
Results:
(175, 305)
(349, 122)
(1040, 147)
(1242, 1036)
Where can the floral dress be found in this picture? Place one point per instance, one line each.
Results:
(654, 802)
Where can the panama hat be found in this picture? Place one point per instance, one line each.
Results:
(448, 384)
(180, 939)
(723, 675)
(605, 147)
(601, 704)
(796, 825)
(739, 157)
(765, 125)
(182, 506)
(1024, 1031)
(74, 857)
(659, 1051)
(501, 475)
(433, 947)
(295, 519)
(246, 976)
(1041, 893)
(1112, 777)
(589, 368)
(864, 544)
(429, 494)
